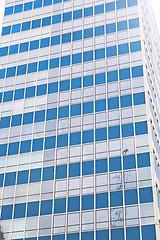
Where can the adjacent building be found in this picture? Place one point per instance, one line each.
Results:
(79, 120)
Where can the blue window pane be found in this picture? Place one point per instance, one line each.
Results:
(100, 105)
(34, 44)
(46, 21)
(126, 101)
(28, 118)
(88, 11)
(110, 28)
(51, 114)
(129, 162)
(133, 233)
(110, 6)
(76, 83)
(111, 51)
(6, 30)
(18, 8)
(143, 160)
(134, 23)
(124, 73)
(45, 42)
(46, 207)
(5, 122)
(112, 76)
(131, 197)
(87, 235)
(87, 56)
(13, 148)
(146, 195)
(87, 202)
(121, 4)
(54, 63)
(1, 180)
(8, 96)
(3, 150)
(139, 98)
(39, 116)
(1, 94)
(121, 25)
(75, 138)
(64, 85)
(116, 199)
(62, 140)
(117, 234)
(77, 35)
(60, 205)
(35, 175)
(11, 72)
(137, 71)
(77, 14)
(99, 9)
(13, 49)
(99, 30)
(123, 49)
(10, 179)
(100, 78)
(16, 28)
(3, 51)
(87, 168)
(102, 200)
(101, 166)
(55, 40)
(88, 136)
(21, 69)
(101, 134)
(50, 142)
(88, 107)
(6, 212)
(53, 87)
(19, 210)
(33, 209)
(149, 232)
(67, 16)
(61, 171)
(100, 53)
(56, 19)
(132, 3)
(22, 177)
(37, 4)
(26, 26)
(127, 130)
(60, 236)
(41, 89)
(2, 73)
(66, 37)
(115, 164)
(76, 58)
(16, 120)
(141, 128)
(28, 6)
(32, 67)
(37, 144)
(47, 2)
(63, 112)
(36, 23)
(88, 81)
(19, 94)
(114, 132)
(43, 65)
(113, 103)
(65, 61)
(73, 204)
(73, 236)
(74, 169)
(102, 234)
(48, 173)
(135, 46)
(8, 11)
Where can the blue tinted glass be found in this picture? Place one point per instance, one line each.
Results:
(131, 197)
(115, 164)
(28, 6)
(46, 207)
(53, 87)
(135, 46)
(102, 200)
(114, 132)
(88, 33)
(36, 23)
(37, 144)
(76, 58)
(87, 107)
(11, 72)
(13, 49)
(111, 51)
(16, 120)
(32, 67)
(102, 234)
(75, 138)
(116, 199)
(88, 11)
(73, 204)
(143, 160)
(30, 92)
(28, 118)
(87, 235)
(6, 212)
(134, 23)
(51, 114)
(3, 150)
(100, 78)
(56, 19)
(18, 8)
(16, 28)
(47, 2)
(124, 73)
(35, 175)
(123, 48)
(121, 4)
(5, 122)
(34, 44)
(8, 11)
(139, 98)
(112, 76)
(141, 128)
(87, 202)
(99, 53)
(88, 136)
(73, 236)
(24, 47)
(33, 209)
(46, 21)
(8, 96)
(126, 101)
(121, 25)
(101, 166)
(74, 169)
(113, 103)
(117, 234)
(77, 35)
(64, 85)
(54, 63)
(10, 179)
(6, 30)
(76, 83)
(110, 6)
(37, 4)
(60, 205)
(100, 105)
(1, 180)
(101, 134)
(61, 171)
(67, 16)
(43, 65)
(75, 109)
(87, 168)
(129, 162)
(127, 130)
(55, 40)
(23, 177)
(13, 148)
(132, 3)
(3, 51)
(63, 112)
(146, 195)
(88, 81)
(66, 37)
(39, 116)
(99, 30)
(48, 173)
(25, 146)
(44, 42)
(99, 9)
(110, 28)
(137, 71)
(50, 142)
(77, 14)
(65, 61)
(41, 89)
(133, 233)
(21, 69)
(149, 232)
(26, 26)
(19, 210)
(19, 94)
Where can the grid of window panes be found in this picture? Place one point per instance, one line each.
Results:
(74, 148)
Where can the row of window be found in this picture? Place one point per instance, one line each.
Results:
(75, 83)
(71, 59)
(73, 203)
(75, 110)
(76, 14)
(74, 170)
(76, 138)
(30, 5)
(68, 37)
(132, 233)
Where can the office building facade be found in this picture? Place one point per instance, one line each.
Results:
(79, 123)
